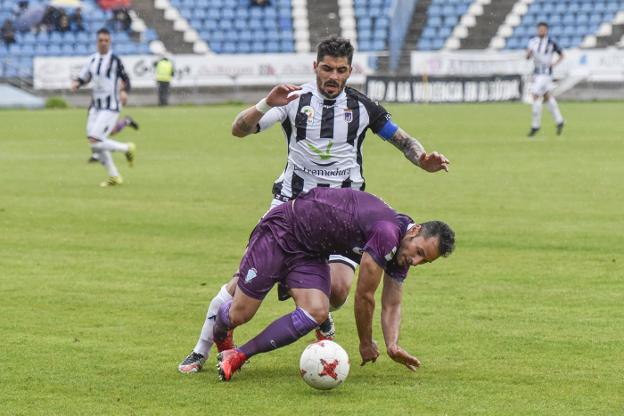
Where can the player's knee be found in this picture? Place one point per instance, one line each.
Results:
(239, 316)
(339, 294)
(341, 279)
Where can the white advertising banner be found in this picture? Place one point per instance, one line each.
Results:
(199, 70)
(592, 65)
(469, 63)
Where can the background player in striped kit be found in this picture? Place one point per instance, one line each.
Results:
(542, 48)
(107, 74)
(324, 123)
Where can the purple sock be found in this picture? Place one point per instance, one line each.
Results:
(222, 324)
(283, 331)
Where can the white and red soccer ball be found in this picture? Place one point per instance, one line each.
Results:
(324, 365)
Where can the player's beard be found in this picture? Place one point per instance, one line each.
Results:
(335, 84)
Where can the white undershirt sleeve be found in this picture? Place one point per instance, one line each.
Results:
(274, 115)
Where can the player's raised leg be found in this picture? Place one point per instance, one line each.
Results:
(127, 121)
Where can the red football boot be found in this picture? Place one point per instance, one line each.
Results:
(226, 343)
(228, 362)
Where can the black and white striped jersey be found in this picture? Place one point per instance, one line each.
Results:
(104, 71)
(325, 138)
(543, 50)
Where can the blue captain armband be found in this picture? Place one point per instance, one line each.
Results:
(388, 130)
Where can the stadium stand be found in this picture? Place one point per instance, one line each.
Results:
(373, 22)
(234, 26)
(570, 22)
(16, 60)
(442, 16)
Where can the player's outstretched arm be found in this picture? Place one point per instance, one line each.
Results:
(415, 152)
(246, 121)
(368, 281)
(391, 323)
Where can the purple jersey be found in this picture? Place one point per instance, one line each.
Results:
(327, 221)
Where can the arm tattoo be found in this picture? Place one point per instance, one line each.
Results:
(410, 147)
(242, 124)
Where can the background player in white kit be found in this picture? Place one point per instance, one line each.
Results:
(542, 48)
(325, 123)
(110, 91)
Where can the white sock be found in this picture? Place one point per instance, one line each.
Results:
(205, 338)
(554, 110)
(106, 159)
(537, 114)
(111, 146)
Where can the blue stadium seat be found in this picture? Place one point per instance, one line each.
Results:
(272, 47)
(434, 21)
(365, 23)
(242, 13)
(243, 47)
(67, 49)
(217, 47)
(261, 47)
(229, 47)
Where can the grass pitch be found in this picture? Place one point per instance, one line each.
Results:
(104, 291)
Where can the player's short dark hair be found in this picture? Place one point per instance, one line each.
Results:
(445, 234)
(543, 24)
(103, 31)
(335, 46)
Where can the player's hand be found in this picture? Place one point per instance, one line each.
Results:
(401, 356)
(433, 162)
(75, 85)
(123, 97)
(369, 352)
(281, 95)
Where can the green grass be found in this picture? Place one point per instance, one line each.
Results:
(104, 291)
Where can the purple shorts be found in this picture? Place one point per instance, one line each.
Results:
(267, 262)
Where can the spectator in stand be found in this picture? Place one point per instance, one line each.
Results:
(19, 8)
(62, 25)
(260, 2)
(76, 20)
(121, 20)
(50, 19)
(8, 32)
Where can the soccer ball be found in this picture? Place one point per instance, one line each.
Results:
(324, 365)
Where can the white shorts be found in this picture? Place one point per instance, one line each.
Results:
(100, 123)
(542, 84)
(334, 258)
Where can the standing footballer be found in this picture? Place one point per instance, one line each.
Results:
(542, 48)
(110, 91)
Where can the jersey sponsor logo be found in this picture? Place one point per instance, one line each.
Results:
(251, 274)
(323, 155)
(390, 255)
(309, 113)
(323, 172)
(348, 115)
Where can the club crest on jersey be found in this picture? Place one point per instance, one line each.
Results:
(391, 254)
(251, 274)
(309, 112)
(348, 115)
